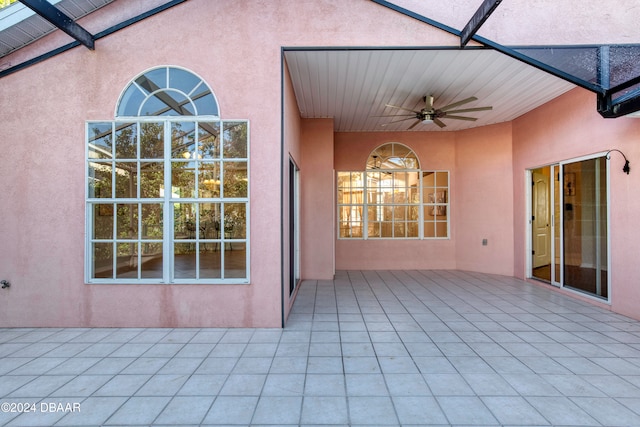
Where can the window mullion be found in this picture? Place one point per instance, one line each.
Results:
(138, 243)
(365, 207)
(420, 207)
(196, 198)
(114, 236)
(167, 211)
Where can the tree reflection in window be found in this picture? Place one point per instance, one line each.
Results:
(393, 198)
(167, 91)
(168, 152)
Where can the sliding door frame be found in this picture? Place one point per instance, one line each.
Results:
(556, 172)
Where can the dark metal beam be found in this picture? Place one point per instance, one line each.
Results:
(101, 34)
(625, 85)
(500, 48)
(61, 20)
(417, 16)
(486, 8)
(610, 109)
(604, 66)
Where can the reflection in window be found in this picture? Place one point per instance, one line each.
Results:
(167, 91)
(435, 197)
(167, 194)
(584, 226)
(393, 198)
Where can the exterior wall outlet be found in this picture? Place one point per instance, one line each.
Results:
(484, 242)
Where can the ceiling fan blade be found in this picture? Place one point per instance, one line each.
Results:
(471, 119)
(415, 124)
(468, 110)
(396, 115)
(401, 108)
(455, 104)
(439, 122)
(397, 121)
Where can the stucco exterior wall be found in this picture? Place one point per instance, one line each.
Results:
(481, 196)
(291, 152)
(540, 22)
(484, 199)
(317, 199)
(236, 48)
(567, 128)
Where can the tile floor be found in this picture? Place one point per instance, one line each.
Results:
(442, 348)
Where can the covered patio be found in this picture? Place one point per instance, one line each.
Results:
(429, 347)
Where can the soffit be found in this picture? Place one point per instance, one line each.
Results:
(353, 86)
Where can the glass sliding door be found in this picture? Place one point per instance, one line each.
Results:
(569, 205)
(584, 226)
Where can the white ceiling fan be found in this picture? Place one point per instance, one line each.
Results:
(429, 114)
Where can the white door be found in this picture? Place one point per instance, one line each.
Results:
(541, 220)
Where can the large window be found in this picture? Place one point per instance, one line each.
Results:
(167, 187)
(393, 198)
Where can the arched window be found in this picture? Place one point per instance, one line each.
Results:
(393, 198)
(167, 91)
(393, 156)
(167, 186)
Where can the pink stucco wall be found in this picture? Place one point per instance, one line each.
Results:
(570, 127)
(236, 47)
(237, 50)
(540, 22)
(291, 152)
(317, 199)
(484, 199)
(481, 195)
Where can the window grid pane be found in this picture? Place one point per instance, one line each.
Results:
(218, 231)
(210, 230)
(397, 205)
(176, 92)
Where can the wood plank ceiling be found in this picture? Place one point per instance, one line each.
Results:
(353, 86)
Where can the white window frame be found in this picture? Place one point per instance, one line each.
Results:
(421, 206)
(167, 201)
